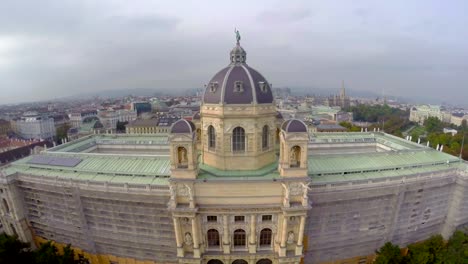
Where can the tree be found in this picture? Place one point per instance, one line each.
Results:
(457, 249)
(13, 250)
(433, 124)
(389, 254)
(62, 131)
(121, 126)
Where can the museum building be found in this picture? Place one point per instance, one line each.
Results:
(236, 185)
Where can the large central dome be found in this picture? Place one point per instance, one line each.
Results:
(238, 83)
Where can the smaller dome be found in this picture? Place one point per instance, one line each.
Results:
(238, 54)
(196, 116)
(294, 125)
(183, 126)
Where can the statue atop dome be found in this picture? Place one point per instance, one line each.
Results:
(238, 36)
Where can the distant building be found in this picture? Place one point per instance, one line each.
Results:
(457, 118)
(420, 113)
(60, 120)
(5, 127)
(330, 128)
(150, 126)
(89, 126)
(340, 99)
(141, 107)
(34, 147)
(77, 118)
(110, 118)
(450, 131)
(34, 126)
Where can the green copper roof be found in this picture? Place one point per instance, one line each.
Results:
(326, 164)
(404, 158)
(111, 164)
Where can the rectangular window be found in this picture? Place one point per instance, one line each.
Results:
(239, 218)
(212, 218)
(266, 218)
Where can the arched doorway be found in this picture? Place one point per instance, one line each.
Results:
(215, 261)
(239, 261)
(264, 261)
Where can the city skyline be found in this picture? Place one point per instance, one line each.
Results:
(54, 49)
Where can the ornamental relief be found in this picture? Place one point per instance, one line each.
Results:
(219, 228)
(184, 190)
(246, 127)
(295, 188)
(271, 226)
(216, 125)
(234, 227)
(270, 210)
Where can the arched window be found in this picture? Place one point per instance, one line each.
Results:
(211, 137)
(213, 237)
(238, 139)
(239, 261)
(215, 261)
(265, 137)
(239, 238)
(5, 206)
(264, 261)
(265, 237)
(295, 156)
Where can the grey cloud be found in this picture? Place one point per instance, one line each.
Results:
(284, 16)
(73, 47)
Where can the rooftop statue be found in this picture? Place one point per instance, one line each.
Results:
(238, 37)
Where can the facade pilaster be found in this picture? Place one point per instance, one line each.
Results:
(253, 231)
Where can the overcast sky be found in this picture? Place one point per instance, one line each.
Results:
(52, 49)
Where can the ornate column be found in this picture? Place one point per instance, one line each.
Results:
(226, 244)
(284, 234)
(252, 240)
(178, 235)
(196, 241)
(300, 236)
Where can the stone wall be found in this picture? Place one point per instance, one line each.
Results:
(356, 219)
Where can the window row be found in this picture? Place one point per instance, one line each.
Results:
(238, 218)
(239, 87)
(239, 237)
(238, 138)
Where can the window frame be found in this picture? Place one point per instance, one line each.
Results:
(265, 237)
(265, 137)
(238, 140)
(239, 218)
(212, 238)
(239, 238)
(215, 217)
(238, 86)
(211, 137)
